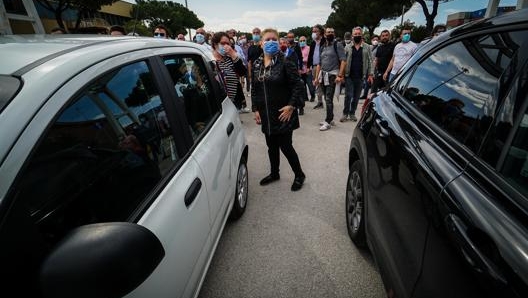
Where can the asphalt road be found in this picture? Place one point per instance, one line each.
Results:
(295, 244)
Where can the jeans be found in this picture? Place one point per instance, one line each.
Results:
(329, 91)
(283, 142)
(353, 89)
(318, 90)
(308, 80)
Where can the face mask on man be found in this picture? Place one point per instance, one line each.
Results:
(330, 37)
(314, 36)
(347, 41)
(200, 38)
(271, 47)
(374, 42)
(357, 39)
(256, 37)
(406, 38)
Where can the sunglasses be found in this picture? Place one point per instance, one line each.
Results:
(271, 38)
(159, 34)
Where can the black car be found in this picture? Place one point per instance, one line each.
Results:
(438, 181)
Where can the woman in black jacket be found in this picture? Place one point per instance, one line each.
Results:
(276, 93)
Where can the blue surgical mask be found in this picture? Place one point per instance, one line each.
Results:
(406, 37)
(271, 47)
(256, 37)
(302, 44)
(221, 50)
(200, 38)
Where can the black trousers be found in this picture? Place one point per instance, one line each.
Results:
(283, 142)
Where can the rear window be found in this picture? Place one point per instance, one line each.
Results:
(8, 88)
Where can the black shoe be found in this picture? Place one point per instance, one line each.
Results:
(301, 111)
(319, 105)
(312, 99)
(268, 179)
(298, 183)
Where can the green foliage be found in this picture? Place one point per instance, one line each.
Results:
(368, 14)
(140, 28)
(176, 17)
(418, 33)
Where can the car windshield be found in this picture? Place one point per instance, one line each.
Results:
(8, 88)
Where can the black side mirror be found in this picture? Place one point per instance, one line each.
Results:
(101, 260)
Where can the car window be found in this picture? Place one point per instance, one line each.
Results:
(193, 86)
(506, 146)
(101, 157)
(455, 86)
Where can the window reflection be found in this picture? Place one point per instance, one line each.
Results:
(456, 86)
(192, 85)
(103, 155)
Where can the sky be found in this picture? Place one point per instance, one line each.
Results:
(244, 15)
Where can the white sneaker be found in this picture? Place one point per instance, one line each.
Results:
(332, 123)
(325, 126)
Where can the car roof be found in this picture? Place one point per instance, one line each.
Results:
(26, 52)
(513, 17)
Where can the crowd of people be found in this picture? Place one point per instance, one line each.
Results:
(281, 73)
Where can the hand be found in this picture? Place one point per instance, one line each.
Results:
(257, 118)
(370, 79)
(286, 113)
(316, 82)
(385, 76)
(230, 52)
(339, 79)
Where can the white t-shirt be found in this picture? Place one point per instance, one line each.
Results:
(402, 53)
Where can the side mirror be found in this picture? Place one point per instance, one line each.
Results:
(101, 260)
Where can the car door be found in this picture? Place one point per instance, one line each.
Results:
(407, 166)
(214, 125)
(485, 209)
(460, 100)
(95, 152)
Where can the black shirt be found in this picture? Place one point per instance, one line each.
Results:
(254, 53)
(384, 55)
(356, 64)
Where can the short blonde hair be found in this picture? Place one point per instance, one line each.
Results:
(268, 30)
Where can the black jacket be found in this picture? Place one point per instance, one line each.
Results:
(274, 87)
(312, 50)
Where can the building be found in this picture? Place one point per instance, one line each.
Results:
(30, 17)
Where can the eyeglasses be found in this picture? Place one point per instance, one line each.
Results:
(225, 43)
(159, 34)
(271, 38)
(302, 40)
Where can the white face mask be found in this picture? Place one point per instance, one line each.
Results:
(314, 36)
(374, 42)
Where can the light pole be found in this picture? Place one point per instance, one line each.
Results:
(190, 37)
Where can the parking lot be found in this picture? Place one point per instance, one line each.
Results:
(295, 244)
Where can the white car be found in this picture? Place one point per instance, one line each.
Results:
(121, 160)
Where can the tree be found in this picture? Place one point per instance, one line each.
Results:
(303, 31)
(88, 8)
(57, 8)
(364, 13)
(60, 6)
(430, 16)
(176, 17)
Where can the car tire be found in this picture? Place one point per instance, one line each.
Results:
(355, 205)
(241, 193)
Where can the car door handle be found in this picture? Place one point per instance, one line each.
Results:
(230, 128)
(474, 256)
(383, 127)
(192, 192)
